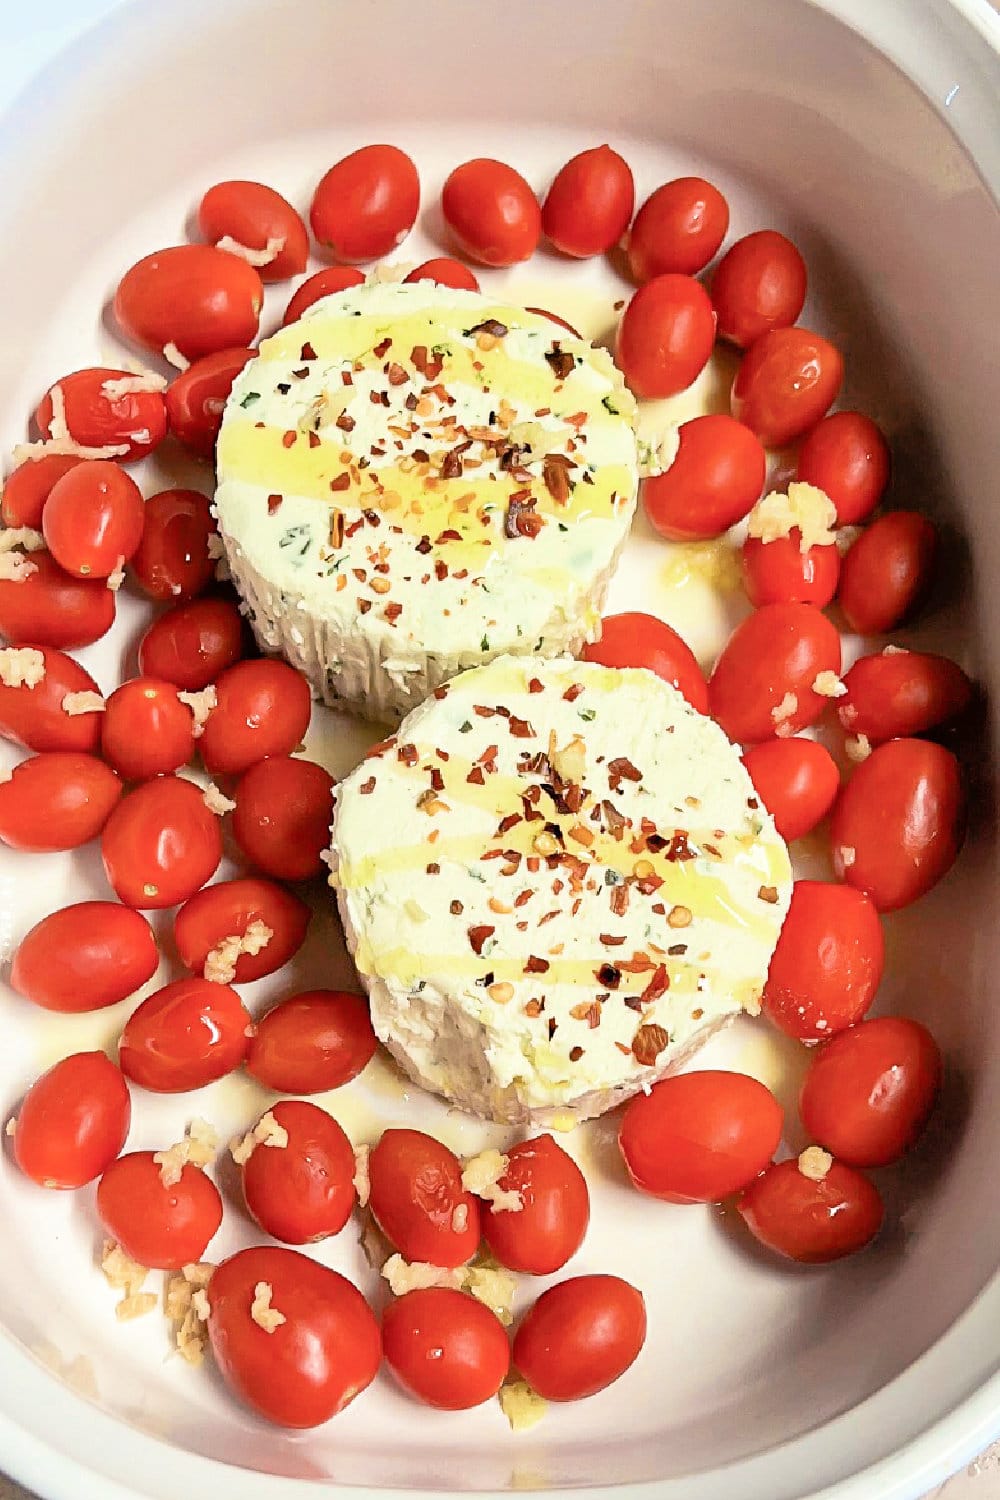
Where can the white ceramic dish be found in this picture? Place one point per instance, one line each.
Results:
(877, 145)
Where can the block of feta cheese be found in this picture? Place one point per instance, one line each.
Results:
(557, 882)
(414, 480)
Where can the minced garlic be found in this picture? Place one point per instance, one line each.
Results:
(21, 666)
(116, 577)
(481, 1175)
(271, 251)
(15, 567)
(858, 748)
(814, 1163)
(362, 1185)
(88, 702)
(828, 685)
(411, 1276)
(217, 802)
(197, 1149)
(266, 1132)
(783, 713)
(491, 1284)
(804, 509)
(201, 705)
(847, 856)
(221, 961)
(263, 1314)
(522, 1406)
(22, 538)
(136, 1306)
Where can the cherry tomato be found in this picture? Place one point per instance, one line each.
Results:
(260, 220)
(173, 559)
(163, 1227)
(322, 1354)
(886, 573)
(492, 212)
(303, 1191)
(35, 717)
(580, 1336)
(366, 204)
(57, 800)
(282, 817)
(787, 379)
(51, 608)
(445, 1348)
(192, 644)
(638, 640)
(93, 519)
(828, 962)
(195, 400)
(193, 297)
(678, 229)
(444, 271)
(697, 1137)
(161, 844)
(847, 457)
(715, 479)
(99, 414)
(311, 1042)
(85, 957)
(416, 1188)
(185, 1035)
(897, 693)
(323, 284)
(589, 205)
(665, 336)
(146, 730)
(548, 1228)
(759, 284)
(73, 1121)
(26, 490)
(779, 572)
(762, 684)
(797, 781)
(812, 1221)
(262, 708)
(899, 822)
(228, 910)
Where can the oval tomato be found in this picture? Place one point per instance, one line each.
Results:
(548, 1228)
(415, 1190)
(258, 220)
(580, 1336)
(847, 457)
(780, 572)
(192, 297)
(678, 229)
(93, 519)
(763, 682)
(366, 204)
(885, 575)
(270, 919)
(283, 814)
(34, 716)
(192, 644)
(173, 560)
(589, 205)
(797, 781)
(302, 1191)
(108, 409)
(445, 1348)
(899, 693)
(787, 379)
(57, 800)
(27, 488)
(185, 1035)
(828, 961)
(161, 1225)
(638, 640)
(196, 399)
(161, 844)
(146, 730)
(492, 212)
(444, 271)
(311, 1042)
(759, 284)
(85, 957)
(50, 608)
(262, 708)
(665, 336)
(809, 1220)
(714, 480)
(73, 1121)
(323, 284)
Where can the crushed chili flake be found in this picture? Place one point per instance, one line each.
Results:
(342, 482)
(364, 605)
(524, 897)
(609, 976)
(676, 949)
(657, 986)
(768, 893)
(619, 899)
(555, 477)
(536, 965)
(561, 361)
(521, 519)
(575, 1053)
(437, 780)
(509, 822)
(367, 787)
(456, 908)
(533, 1009)
(274, 502)
(382, 348)
(678, 848)
(534, 686)
(314, 439)
(477, 776)
(649, 1042)
(520, 729)
(288, 438)
(434, 869)
(573, 692)
(345, 422)
(552, 1027)
(392, 612)
(307, 352)
(408, 754)
(621, 769)
(478, 936)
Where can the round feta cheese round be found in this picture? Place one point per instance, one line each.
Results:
(557, 881)
(414, 480)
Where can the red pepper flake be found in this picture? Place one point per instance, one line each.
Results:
(364, 605)
(392, 612)
(619, 899)
(609, 941)
(408, 754)
(289, 438)
(575, 1053)
(452, 466)
(367, 787)
(648, 1043)
(561, 361)
(434, 869)
(345, 423)
(424, 546)
(440, 570)
(536, 965)
(314, 439)
(342, 481)
(534, 686)
(521, 518)
(520, 729)
(610, 976)
(509, 822)
(619, 770)
(478, 936)
(573, 692)
(533, 1009)
(451, 535)
(439, 693)
(300, 374)
(382, 348)
(355, 527)
(678, 849)
(396, 375)
(524, 897)
(456, 908)
(555, 476)
(346, 377)
(752, 803)
(768, 893)
(274, 502)
(657, 986)
(307, 352)
(476, 776)
(552, 1027)
(437, 780)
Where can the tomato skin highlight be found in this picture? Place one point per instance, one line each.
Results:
(27, 488)
(312, 1042)
(786, 381)
(637, 640)
(191, 644)
(714, 481)
(678, 229)
(580, 1336)
(252, 213)
(797, 780)
(73, 1121)
(161, 844)
(136, 420)
(548, 1229)
(172, 562)
(847, 457)
(828, 961)
(227, 909)
(812, 1222)
(34, 717)
(162, 1227)
(322, 284)
(759, 284)
(192, 296)
(146, 730)
(778, 651)
(366, 204)
(589, 205)
(902, 693)
(665, 336)
(779, 572)
(444, 271)
(59, 799)
(416, 1185)
(52, 608)
(84, 957)
(196, 396)
(887, 572)
(185, 1035)
(445, 1348)
(492, 212)
(93, 519)
(262, 708)
(301, 1192)
(283, 814)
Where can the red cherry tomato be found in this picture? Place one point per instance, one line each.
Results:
(899, 693)
(885, 575)
(100, 414)
(194, 297)
(258, 218)
(549, 1227)
(812, 1221)
(787, 379)
(899, 822)
(772, 658)
(678, 229)
(715, 479)
(303, 1191)
(759, 284)
(779, 572)
(173, 561)
(366, 204)
(665, 336)
(262, 708)
(416, 1187)
(589, 205)
(444, 271)
(196, 398)
(57, 800)
(828, 962)
(93, 519)
(192, 644)
(146, 730)
(323, 284)
(160, 1226)
(161, 844)
(183, 1036)
(638, 640)
(445, 1348)
(35, 717)
(323, 1353)
(580, 1336)
(282, 817)
(697, 1137)
(847, 457)
(50, 608)
(312, 1042)
(228, 910)
(492, 212)
(797, 781)
(85, 957)
(72, 1122)
(26, 490)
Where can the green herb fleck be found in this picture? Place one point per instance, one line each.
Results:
(250, 398)
(484, 644)
(563, 526)
(465, 728)
(612, 877)
(440, 349)
(610, 406)
(590, 714)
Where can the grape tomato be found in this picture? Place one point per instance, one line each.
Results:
(260, 221)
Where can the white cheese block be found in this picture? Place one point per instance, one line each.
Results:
(557, 882)
(414, 480)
